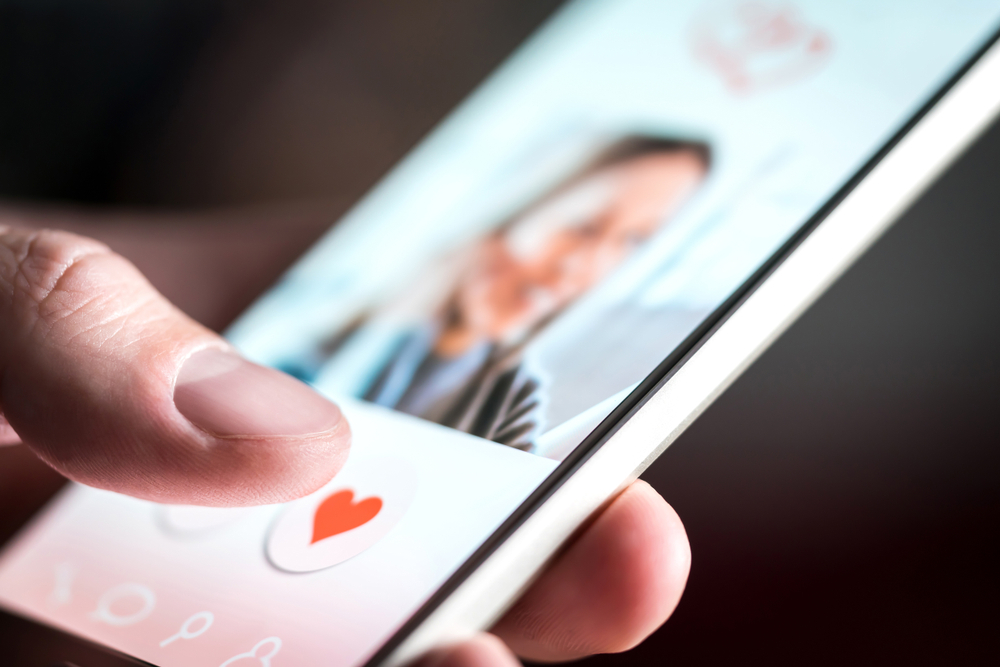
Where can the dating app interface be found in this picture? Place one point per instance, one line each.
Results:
(318, 581)
(490, 302)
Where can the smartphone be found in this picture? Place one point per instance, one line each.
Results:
(522, 316)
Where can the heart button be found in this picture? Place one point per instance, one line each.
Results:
(351, 513)
(339, 514)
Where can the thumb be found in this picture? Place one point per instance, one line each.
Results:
(115, 388)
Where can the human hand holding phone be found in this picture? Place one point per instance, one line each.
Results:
(115, 387)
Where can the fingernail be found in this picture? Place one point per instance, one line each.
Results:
(223, 393)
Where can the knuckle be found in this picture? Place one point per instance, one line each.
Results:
(56, 281)
(34, 262)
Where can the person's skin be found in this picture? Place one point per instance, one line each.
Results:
(115, 387)
(558, 250)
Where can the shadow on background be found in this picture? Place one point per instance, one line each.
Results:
(842, 497)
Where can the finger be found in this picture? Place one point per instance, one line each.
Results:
(7, 435)
(481, 651)
(116, 388)
(614, 586)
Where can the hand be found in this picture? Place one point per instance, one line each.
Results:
(115, 387)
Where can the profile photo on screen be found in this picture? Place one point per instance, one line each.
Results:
(450, 346)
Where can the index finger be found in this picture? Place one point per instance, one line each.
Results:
(115, 388)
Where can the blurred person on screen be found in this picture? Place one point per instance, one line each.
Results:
(450, 346)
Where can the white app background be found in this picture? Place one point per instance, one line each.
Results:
(134, 575)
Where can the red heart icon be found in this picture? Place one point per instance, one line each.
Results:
(339, 514)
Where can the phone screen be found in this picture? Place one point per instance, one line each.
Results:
(491, 302)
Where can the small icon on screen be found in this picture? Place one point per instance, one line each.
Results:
(347, 516)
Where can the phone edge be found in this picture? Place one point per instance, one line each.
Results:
(784, 288)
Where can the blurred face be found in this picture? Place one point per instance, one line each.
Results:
(561, 248)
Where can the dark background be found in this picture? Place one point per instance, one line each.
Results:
(842, 497)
